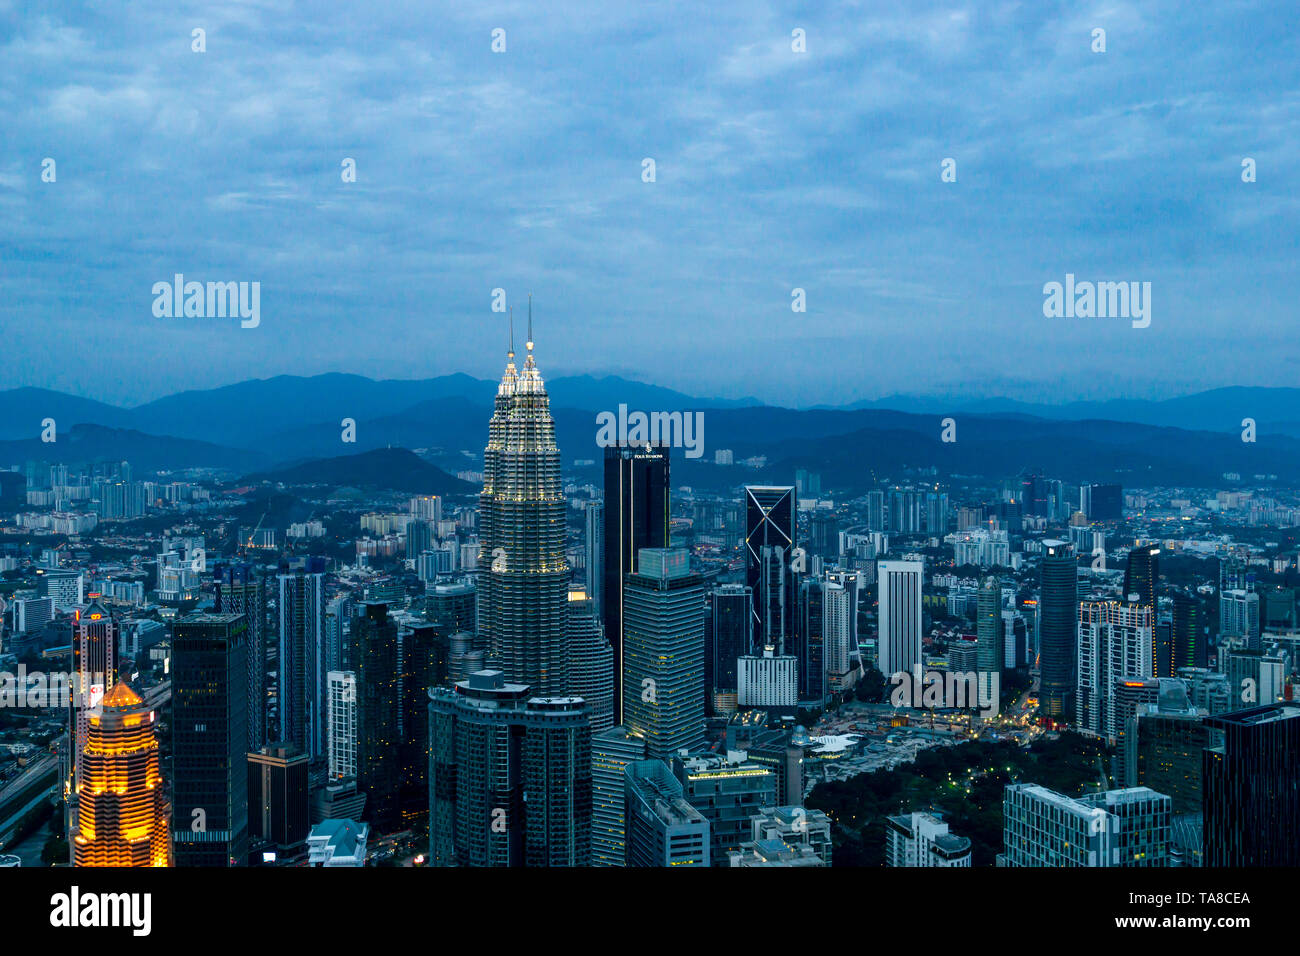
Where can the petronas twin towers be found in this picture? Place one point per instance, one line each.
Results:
(523, 575)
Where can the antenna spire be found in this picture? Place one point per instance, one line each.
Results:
(530, 321)
(511, 353)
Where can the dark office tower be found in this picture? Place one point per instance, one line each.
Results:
(210, 740)
(1252, 788)
(731, 636)
(1058, 644)
(278, 815)
(1142, 574)
(419, 537)
(1034, 496)
(636, 516)
(523, 577)
(769, 524)
(595, 556)
(424, 662)
(1106, 503)
(1162, 655)
(300, 660)
(374, 639)
(1189, 641)
(509, 776)
(812, 662)
(241, 589)
(1164, 747)
(663, 670)
(94, 672)
(989, 631)
(825, 533)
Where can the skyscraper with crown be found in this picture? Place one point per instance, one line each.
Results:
(523, 574)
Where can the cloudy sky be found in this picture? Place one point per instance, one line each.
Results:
(774, 170)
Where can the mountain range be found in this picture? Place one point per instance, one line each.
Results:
(266, 426)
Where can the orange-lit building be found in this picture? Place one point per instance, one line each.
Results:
(122, 815)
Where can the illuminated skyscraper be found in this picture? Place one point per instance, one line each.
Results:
(122, 811)
(523, 575)
(769, 541)
(94, 671)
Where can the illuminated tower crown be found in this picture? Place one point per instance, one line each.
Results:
(122, 811)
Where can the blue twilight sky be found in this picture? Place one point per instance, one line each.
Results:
(774, 170)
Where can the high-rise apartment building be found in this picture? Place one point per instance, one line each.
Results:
(510, 776)
(300, 663)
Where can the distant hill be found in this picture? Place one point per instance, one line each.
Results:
(82, 444)
(390, 469)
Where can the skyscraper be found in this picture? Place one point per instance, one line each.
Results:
(591, 661)
(732, 634)
(1141, 575)
(209, 726)
(1189, 644)
(838, 630)
(899, 614)
(812, 657)
(1058, 631)
(523, 575)
(509, 776)
(769, 543)
(374, 637)
(1115, 646)
(663, 691)
(611, 752)
(595, 555)
(341, 715)
(94, 671)
(122, 807)
(278, 816)
(423, 656)
(241, 589)
(1251, 795)
(988, 627)
(300, 663)
(637, 512)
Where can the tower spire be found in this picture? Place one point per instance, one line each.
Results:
(530, 322)
(511, 353)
